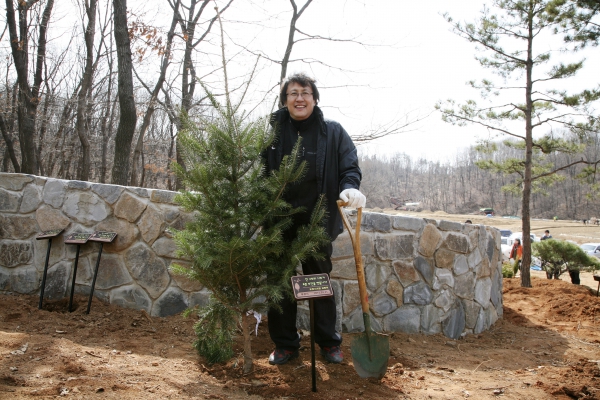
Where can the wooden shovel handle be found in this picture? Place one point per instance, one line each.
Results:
(355, 239)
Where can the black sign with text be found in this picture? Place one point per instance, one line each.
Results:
(77, 238)
(311, 286)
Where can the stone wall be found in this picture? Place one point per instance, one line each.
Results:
(423, 275)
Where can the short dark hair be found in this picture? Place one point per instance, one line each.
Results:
(303, 80)
(546, 231)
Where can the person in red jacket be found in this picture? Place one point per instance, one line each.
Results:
(517, 254)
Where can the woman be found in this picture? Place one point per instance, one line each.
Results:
(517, 253)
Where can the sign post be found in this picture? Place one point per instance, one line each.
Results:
(77, 238)
(310, 287)
(102, 237)
(46, 235)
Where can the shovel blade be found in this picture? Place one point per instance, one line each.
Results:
(370, 354)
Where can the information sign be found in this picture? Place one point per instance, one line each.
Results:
(100, 236)
(77, 238)
(49, 234)
(311, 286)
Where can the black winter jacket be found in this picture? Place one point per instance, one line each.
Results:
(337, 163)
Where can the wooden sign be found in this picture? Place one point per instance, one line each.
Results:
(77, 238)
(49, 234)
(311, 286)
(100, 236)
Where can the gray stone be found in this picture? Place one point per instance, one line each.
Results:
(25, 280)
(110, 193)
(461, 264)
(50, 218)
(392, 247)
(131, 296)
(379, 222)
(457, 243)
(151, 225)
(111, 272)
(355, 322)
(85, 208)
(444, 258)
(351, 297)
(425, 268)
(490, 317)
(200, 299)
(376, 274)
(181, 222)
(483, 289)
(17, 226)
(454, 324)
(148, 270)
(407, 274)
(403, 223)
(129, 207)
(496, 291)
(474, 237)
(14, 182)
(474, 260)
(14, 253)
(140, 192)
(405, 319)
(444, 300)
(4, 279)
(57, 280)
(381, 304)
(481, 321)
(84, 272)
(9, 201)
(484, 268)
(491, 246)
(430, 239)
(31, 199)
(338, 294)
(344, 268)
(170, 213)
(472, 309)
(163, 196)
(54, 192)
(443, 278)
(172, 301)
(419, 293)
(184, 282)
(126, 234)
(395, 289)
(430, 320)
(464, 286)
(79, 185)
(450, 226)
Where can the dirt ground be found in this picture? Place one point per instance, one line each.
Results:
(546, 346)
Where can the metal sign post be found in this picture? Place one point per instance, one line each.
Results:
(77, 238)
(310, 287)
(102, 237)
(46, 235)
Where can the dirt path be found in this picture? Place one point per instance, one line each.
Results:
(547, 346)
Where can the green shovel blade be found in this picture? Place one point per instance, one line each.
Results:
(370, 354)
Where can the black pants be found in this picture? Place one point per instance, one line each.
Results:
(282, 325)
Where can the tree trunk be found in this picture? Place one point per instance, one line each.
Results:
(10, 149)
(128, 117)
(248, 359)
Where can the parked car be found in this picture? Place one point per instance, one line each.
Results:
(505, 232)
(506, 244)
(593, 249)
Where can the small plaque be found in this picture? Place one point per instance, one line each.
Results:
(311, 286)
(100, 236)
(49, 234)
(77, 238)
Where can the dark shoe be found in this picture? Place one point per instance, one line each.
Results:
(281, 356)
(332, 354)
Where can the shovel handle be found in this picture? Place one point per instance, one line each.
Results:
(355, 239)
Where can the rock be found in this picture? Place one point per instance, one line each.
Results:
(126, 234)
(376, 275)
(163, 196)
(50, 218)
(430, 239)
(472, 310)
(171, 302)
(454, 324)
(345, 268)
(4, 279)
(110, 193)
(9, 201)
(395, 289)
(425, 268)
(129, 207)
(351, 298)
(464, 286)
(450, 226)
(430, 320)
(355, 322)
(185, 283)
(405, 319)
(31, 199)
(148, 270)
(444, 258)
(403, 223)
(342, 246)
(444, 300)
(490, 317)
(131, 296)
(24, 280)
(491, 247)
(458, 243)
(151, 225)
(54, 192)
(481, 322)
(170, 213)
(496, 291)
(419, 293)
(140, 192)
(201, 298)
(111, 272)
(378, 222)
(474, 260)
(14, 182)
(483, 289)
(15, 252)
(443, 278)
(17, 226)
(406, 272)
(381, 304)
(85, 208)
(57, 280)
(461, 264)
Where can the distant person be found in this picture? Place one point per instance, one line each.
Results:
(555, 218)
(516, 253)
(547, 235)
(468, 221)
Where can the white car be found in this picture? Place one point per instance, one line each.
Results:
(593, 249)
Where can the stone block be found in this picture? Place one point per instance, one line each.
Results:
(14, 182)
(185, 283)
(403, 223)
(425, 268)
(111, 272)
(490, 317)
(345, 268)
(430, 240)
(148, 270)
(392, 247)
(15, 252)
(484, 268)
(443, 278)
(472, 309)
(461, 264)
(200, 299)
(85, 273)
(129, 207)
(430, 320)
(481, 322)
(31, 199)
(474, 237)
(419, 293)
(57, 281)
(444, 300)
(355, 322)
(171, 302)
(496, 291)
(17, 227)
(25, 280)
(131, 296)
(163, 196)
(151, 224)
(40, 249)
(483, 290)
(444, 258)
(50, 218)
(351, 297)
(342, 246)
(9, 201)
(378, 222)
(456, 242)
(181, 222)
(79, 185)
(491, 247)
(85, 208)
(405, 319)
(126, 234)
(382, 304)
(407, 274)
(474, 260)
(110, 193)
(454, 324)
(140, 192)
(170, 213)
(4, 279)
(464, 286)
(395, 289)
(376, 274)
(450, 226)
(54, 192)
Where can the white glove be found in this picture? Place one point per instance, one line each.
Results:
(354, 198)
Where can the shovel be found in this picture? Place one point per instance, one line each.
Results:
(370, 351)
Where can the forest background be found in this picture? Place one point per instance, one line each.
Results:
(378, 73)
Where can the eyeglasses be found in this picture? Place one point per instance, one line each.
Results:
(304, 95)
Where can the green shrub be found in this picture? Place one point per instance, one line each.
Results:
(214, 332)
(507, 270)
